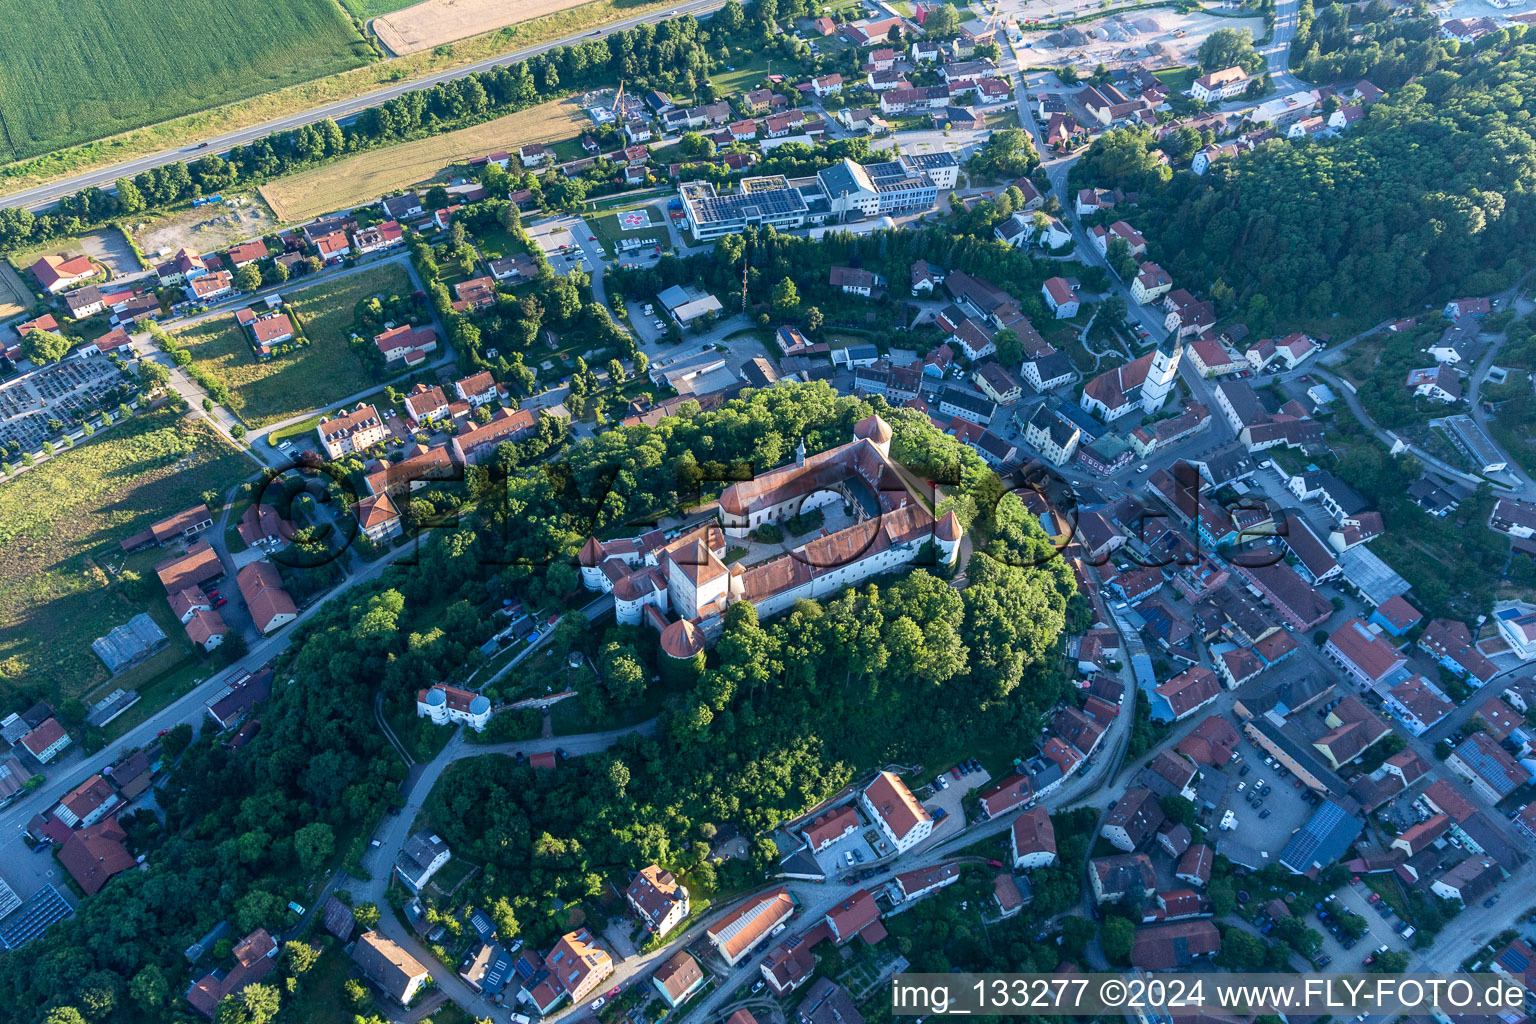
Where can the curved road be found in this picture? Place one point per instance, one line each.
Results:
(342, 110)
(814, 899)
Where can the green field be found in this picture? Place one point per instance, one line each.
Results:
(366, 9)
(307, 378)
(73, 72)
(61, 522)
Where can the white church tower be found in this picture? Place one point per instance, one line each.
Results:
(1162, 373)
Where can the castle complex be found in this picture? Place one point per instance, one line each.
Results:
(654, 577)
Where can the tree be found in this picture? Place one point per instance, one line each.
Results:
(941, 22)
(248, 278)
(1241, 951)
(615, 372)
(149, 988)
(1178, 809)
(300, 956)
(1116, 937)
(813, 318)
(357, 994)
(314, 843)
(1223, 894)
(129, 198)
(366, 915)
(786, 297)
(44, 347)
(1227, 47)
(1010, 347)
(176, 739)
(1390, 962)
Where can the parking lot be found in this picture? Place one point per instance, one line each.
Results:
(1379, 928)
(951, 799)
(834, 859)
(1285, 802)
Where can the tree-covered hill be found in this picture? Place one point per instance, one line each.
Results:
(1428, 198)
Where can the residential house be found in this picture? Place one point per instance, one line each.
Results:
(349, 432)
(420, 858)
(1060, 298)
(1032, 840)
(678, 979)
(658, 899)
(383, 962)
(261, 585)
(896, 812)
(1219, 85)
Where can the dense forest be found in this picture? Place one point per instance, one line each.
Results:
(1428, 198)
(784, 711)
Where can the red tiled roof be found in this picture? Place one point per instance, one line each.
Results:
(894, 802)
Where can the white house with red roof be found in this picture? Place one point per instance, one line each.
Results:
(1059, 296)
(57, 273)
(896, 812)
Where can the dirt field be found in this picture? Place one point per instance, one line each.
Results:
(207, 228)
(362, 178)
(1136, 36)
(434, 22)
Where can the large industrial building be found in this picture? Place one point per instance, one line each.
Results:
(841, 192)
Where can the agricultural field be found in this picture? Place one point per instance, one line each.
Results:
(310, 377)
(127, 63)
(361, 178)
(431, 23)
(60, 526)
(14, 296)
(365, 9)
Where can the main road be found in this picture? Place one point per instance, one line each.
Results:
(44, 196)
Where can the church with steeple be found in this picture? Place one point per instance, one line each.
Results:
(681, 585)
(1142, 385)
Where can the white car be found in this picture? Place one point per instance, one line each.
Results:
(597, 1004)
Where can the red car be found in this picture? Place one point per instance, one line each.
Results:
(221, 602)
(994, 863)
(614, 992)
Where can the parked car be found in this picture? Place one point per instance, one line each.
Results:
(1243, 770)
(1265, 813)
(1491, 900)
(941, 782)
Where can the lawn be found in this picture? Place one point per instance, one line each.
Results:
(751, 69)
(360, 178)
(60, 525)
(322, 999)
(127, 63)
(263, 392)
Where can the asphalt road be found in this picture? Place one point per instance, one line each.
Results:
(44, 196)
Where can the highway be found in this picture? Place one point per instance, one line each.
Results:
(340, 111)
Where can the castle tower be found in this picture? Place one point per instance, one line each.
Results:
(1162, 373)
(875, 430)
(800, 452)
(946, 537)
